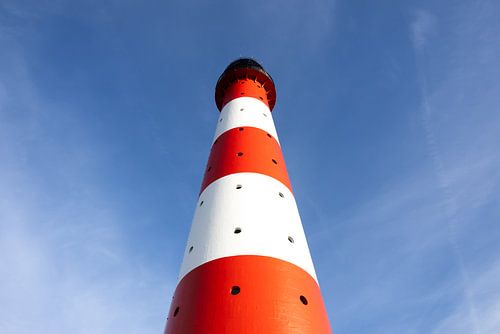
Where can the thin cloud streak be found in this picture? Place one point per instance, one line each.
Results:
(474, 314)
(62, 245)
(422, 27)
(434, 212)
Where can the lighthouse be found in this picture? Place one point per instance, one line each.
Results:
(247, 268)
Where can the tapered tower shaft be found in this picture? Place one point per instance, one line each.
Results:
(247, 267)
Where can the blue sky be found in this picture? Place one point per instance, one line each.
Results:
(389, 118)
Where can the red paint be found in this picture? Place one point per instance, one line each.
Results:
(269, 300)
(245, 149)
(245, 88)
(255, 84)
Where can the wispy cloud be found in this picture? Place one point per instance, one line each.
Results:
(485, 291)
(422, 27)
(66, 265)
(466, 170)
(424, 250)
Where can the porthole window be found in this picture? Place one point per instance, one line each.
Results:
(240, 154)
(281, 195)
(237, 230)
(201, 203)
(291, 239)
(176, 311)
(241, 109)
(235, 290)
(274, 161)
(239, 186)
(241, 129)
(191, 249)
(303, 300)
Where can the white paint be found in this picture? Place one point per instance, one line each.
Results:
(266, 220)
(245, 111)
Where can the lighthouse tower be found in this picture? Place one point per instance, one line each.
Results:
(247, 267)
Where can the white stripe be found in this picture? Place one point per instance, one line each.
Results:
(245, 111)
(266, 220)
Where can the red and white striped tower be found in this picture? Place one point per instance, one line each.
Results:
(247, 266)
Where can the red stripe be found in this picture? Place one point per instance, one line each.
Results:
(245, 149)
(255, 84)
(275, 297)
(245, 88)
